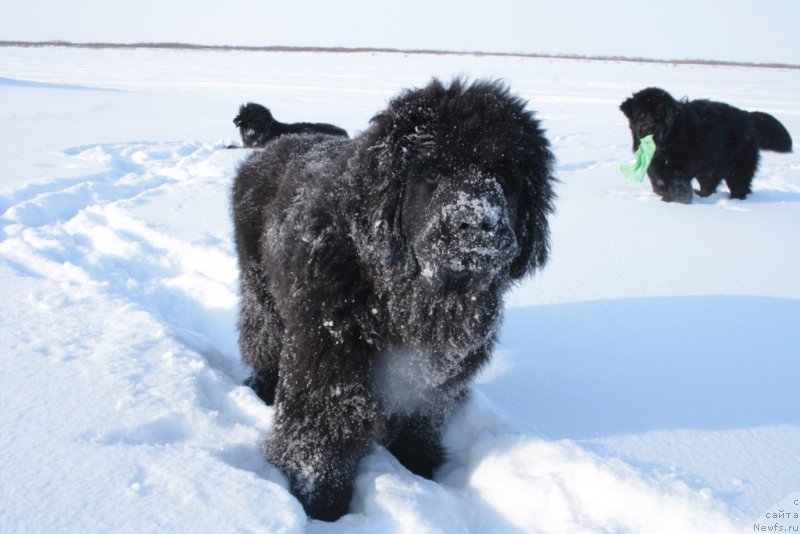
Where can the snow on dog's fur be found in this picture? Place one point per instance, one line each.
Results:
(372, 275)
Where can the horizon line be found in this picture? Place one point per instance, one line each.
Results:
(387, 50)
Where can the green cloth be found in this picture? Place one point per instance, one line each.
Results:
(644, 155)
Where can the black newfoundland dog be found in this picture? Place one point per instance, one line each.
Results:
(257, 126)
(373, 272)
(701, 139)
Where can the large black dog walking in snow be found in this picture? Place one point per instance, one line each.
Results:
(702, 139)
(372, 275)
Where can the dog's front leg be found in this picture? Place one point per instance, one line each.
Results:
(324, 426)
(670, 185)
(415, 441)
(657, 182)
(678, 189)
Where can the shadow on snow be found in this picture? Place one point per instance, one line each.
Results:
(604, 368)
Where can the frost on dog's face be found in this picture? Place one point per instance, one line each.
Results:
(459, 223)
(462, 176)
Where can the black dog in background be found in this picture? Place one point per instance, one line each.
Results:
(257, 126)
(372, 275)
(702, 139)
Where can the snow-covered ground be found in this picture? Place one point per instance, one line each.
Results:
(645, 381)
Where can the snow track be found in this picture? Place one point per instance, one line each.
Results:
(84, 232)
(109, 272)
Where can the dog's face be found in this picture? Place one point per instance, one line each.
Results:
(255, 124)
(649, 112)
(459, 223)
(467, 184)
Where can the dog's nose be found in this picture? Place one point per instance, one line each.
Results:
(481, 218)
(477, 208)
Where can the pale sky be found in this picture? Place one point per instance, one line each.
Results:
(733, 30)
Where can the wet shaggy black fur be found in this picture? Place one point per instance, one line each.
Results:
(372, 275)
(257, 126)
(702, 139)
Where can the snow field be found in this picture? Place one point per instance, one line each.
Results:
(644, 380)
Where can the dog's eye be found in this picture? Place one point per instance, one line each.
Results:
(432, 176)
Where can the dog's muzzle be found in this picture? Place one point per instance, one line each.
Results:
(470, 232)
(253, 138)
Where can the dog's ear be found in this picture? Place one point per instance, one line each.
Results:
(668, 112)
(627, 107)
(387, 219)
(663, 108)
(535, 206)
(660, 109)
(391, 139)
(382, 188)
(264, 123)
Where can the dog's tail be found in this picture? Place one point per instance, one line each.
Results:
(771, 134)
